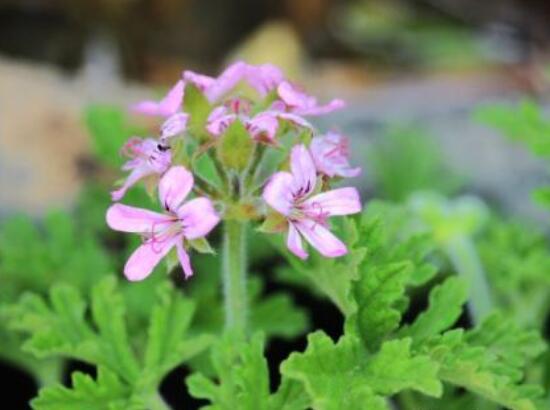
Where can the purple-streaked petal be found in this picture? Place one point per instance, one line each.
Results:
(169, 105)
(278, 192)
(321, 239)
(330, 153)
(137, 173)
(198, 217)
(126, 218)
(341, 201)
(219, 124)
(174, 187)
(294, 242)
(263, 127)
(303, 171)
(174, 125)
(185, 261)
(226, 81)
(144, 259)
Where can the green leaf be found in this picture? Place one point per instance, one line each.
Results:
(524, 123)
(167, 343)
(344, 375)
(109, 129)
(106, 393)
(235, 147)
(198, 108)
(243, 379)
(444, 309)
(488, 361)
(61, 327)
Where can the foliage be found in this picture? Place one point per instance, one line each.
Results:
(130, 365)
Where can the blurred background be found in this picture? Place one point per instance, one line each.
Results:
(422, 79)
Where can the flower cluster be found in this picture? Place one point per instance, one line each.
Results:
(218, 139)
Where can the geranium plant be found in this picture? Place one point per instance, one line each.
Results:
(237, 167)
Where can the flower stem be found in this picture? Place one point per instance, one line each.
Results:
(465, 259)
(234, 276)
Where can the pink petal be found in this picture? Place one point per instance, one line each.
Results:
(198, 217)
(303, 170)
(294, 242)
(341, 201)
(219, 124)
(126, 218)
(202, 82)
(315, 110)
(144, 259)
(278, 192)
(226, 81)
(348, 172)
(185, 262)
(264, 78)
(321, 239)
(169, 105)
(263, 127)
(174, 187)
(137, 173)
(174, 125)
(295, 119)
(293, 97)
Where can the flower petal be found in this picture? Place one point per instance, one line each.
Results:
(278, 192)
(202, 82)
(315, 110)
(198, 217)
(174, 125)
(321, 239)
(174, 187)
(139, 172)
(226, 81)
(294, 242)
(294, 97)
(144, 259)
(169, 105)
(126, 218)
(341, 201)
(264, 78)
(185, 261)
(263, 127)
(218, 121)
(303, 170)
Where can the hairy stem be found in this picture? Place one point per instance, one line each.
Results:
(234, 276)
(466, 261)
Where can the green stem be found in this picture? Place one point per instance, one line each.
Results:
(466, 261)
(234, 276)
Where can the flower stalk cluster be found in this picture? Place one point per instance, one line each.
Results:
(236, 148)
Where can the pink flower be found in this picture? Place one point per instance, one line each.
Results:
(292, 194)
(162, 231)
(262, 126)
(330, 154)
(148, 157)
(263, 78)
(170, 108)
(299, 103)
